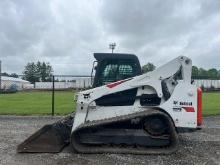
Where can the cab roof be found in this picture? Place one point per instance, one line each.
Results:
(102, 56)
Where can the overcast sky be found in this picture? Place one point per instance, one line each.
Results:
(66, 33)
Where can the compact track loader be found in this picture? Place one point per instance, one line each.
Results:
(126, 111)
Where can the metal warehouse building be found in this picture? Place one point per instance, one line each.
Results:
(77, 83)
(8, 82)
(208, 83)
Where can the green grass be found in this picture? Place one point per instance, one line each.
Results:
(211, 103)
(39, 103)
(34, 103)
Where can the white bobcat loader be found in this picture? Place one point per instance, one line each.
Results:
(138, 115)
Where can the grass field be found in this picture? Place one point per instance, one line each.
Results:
(211, 103)
(35, 103)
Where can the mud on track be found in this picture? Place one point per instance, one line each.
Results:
(202, 147)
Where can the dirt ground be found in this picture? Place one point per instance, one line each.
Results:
(201, 147)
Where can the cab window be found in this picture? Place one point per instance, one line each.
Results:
(115, 71)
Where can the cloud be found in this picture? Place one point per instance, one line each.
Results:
(159, 31)
(66, 33)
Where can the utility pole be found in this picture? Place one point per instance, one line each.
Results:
(112, 46)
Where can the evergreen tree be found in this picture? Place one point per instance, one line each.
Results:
(30, 72)
(40, 71)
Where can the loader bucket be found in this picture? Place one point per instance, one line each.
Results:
(49, 139)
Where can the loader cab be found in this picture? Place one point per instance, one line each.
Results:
(111, 67)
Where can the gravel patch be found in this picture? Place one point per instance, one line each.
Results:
(200, 147)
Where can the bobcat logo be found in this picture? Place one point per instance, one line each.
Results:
(175, 102)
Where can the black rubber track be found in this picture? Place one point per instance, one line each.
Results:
(82, 148)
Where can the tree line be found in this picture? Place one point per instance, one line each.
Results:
(201, 73)
(10, 75)
(197, 73)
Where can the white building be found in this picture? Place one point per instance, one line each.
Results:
(77, 83)
(208, 83)
(8, 82)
